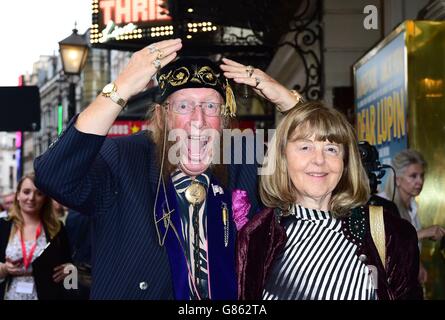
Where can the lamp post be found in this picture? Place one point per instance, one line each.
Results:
(74, 53)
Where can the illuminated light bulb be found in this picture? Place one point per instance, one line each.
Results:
(195, 25)
(204, 29)
(214, 27)
(189, 36)
(195, 30)
(190, 10)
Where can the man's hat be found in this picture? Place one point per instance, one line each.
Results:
(188, 72)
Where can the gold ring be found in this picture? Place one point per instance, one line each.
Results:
(160, 54)
(157, 64)
(152, 48)
(249, 70)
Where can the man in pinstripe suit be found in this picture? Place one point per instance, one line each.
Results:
(161, 230)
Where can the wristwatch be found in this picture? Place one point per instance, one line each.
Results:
(110, 91)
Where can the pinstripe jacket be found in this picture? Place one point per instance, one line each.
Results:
(114, 181)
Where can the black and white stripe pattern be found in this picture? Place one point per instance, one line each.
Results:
(318, 262)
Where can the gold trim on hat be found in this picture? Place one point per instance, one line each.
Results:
(230, 108)
(204, 75)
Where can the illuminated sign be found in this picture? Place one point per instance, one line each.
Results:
(125, 128)
(381, 98)
(127, 23)
(127, 11)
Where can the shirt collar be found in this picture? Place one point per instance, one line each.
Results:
(303, 213)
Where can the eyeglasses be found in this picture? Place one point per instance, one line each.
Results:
(211, 109)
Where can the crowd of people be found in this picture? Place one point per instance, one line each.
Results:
(152, 217)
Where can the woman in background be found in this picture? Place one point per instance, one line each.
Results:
(23, 235)
(410, 167)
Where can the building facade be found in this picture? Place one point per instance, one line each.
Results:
(54, 97)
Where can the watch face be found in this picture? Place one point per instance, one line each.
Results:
(108, 88)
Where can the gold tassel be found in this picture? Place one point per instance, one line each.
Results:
(230, 109)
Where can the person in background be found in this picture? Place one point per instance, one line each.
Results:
(7, 202)
(23, 235)
(410, 166)
(60, 210)
(78, 228)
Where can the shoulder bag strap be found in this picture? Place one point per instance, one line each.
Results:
(377, 227)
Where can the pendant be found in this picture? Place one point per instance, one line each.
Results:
(225, 219)
(195, 193)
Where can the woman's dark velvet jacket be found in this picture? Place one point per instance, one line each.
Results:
(262, 239)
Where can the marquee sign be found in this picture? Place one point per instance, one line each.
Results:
(120, 24)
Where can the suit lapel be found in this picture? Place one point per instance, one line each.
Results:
(178, 265)
(221, 258)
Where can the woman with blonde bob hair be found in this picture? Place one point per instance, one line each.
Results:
(315, 241)
(325, 124)
(31, 224)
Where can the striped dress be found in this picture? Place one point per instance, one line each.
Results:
(318, 262)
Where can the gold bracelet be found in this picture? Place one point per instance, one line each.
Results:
(297, 95)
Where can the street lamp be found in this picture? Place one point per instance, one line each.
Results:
(74, 53)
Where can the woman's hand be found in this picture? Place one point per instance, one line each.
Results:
(59, 272)
(14, 269)
(144, 64)
(434, 232)
(263, 84)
